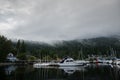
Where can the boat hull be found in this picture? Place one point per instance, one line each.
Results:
(69, 65)
(41, 64)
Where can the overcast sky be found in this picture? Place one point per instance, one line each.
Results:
(48, 20)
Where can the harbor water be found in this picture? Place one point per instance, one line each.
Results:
(88, 72)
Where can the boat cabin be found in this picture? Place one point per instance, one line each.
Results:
(67, 60)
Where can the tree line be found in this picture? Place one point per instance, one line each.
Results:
(78, 49)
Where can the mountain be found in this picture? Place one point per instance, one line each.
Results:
(93, 46)
(79, 48)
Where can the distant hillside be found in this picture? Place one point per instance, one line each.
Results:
(77, 49)
(100, 46)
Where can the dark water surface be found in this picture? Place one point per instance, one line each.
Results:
(90, 72)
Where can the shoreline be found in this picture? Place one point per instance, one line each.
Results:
(5, 64)
(10, 63)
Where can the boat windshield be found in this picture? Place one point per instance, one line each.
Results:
(63, 60)
(69, 60)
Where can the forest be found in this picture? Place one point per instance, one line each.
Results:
(77, 49)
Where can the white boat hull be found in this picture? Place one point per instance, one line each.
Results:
(57, 64)
(41, 64)
(69, 65)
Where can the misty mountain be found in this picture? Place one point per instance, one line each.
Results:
(100, 45)
(100, 41)
(79, 48)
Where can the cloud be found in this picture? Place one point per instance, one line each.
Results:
(47, 20)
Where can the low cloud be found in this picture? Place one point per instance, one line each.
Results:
(48, 20)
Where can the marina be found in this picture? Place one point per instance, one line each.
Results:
(70, 62)
(66, 62)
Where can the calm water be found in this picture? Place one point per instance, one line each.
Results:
(90, 72)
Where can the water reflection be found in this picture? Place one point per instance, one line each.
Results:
(116, 72)
(89, 72)
(71, 70)
(10, 69)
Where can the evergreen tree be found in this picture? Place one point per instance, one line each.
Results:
(5, 47)
(21, 50)
(23, 47)
(18, 46)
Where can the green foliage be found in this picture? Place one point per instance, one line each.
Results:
(18, 46)
(21, 50)
(46, 58)
(23, 47)
(22, 56)
(5, 47)
(31, 58)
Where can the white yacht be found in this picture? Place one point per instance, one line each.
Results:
(70, 62)
(116, 62)
(66, 62)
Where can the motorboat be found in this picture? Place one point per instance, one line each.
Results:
(116, 62)
(66, 62)
(103, 61)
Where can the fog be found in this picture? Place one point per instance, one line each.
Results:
(49, 20)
